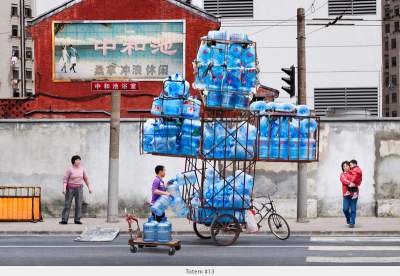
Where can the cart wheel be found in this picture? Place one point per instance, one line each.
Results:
(133, 248)
(178, 247)
(141, 246)
(197, 228)
(225, 230)
(171, 251)
(279, 226)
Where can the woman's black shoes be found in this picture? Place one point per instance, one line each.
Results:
(78, 222)
(63, 222)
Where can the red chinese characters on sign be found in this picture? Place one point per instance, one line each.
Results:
(114, 86)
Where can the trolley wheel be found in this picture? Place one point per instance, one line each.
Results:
(178, 247)
(279, 226)
(200, 235)
(141, 246)
(225, 230)
(171, 251)
(133, 248)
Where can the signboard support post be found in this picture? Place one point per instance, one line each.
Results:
(113, 169)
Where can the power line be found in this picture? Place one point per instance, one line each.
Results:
(327, 72)
(322, 46)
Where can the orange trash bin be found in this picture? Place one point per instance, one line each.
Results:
(20, 204)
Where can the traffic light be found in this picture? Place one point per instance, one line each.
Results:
(291, 81)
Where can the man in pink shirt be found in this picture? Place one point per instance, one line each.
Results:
(74, 179)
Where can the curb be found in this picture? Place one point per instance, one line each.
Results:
(293, 233)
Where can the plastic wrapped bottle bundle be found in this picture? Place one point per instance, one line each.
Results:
(179, 207)
(232, 81)
(175, 86)
(271, 106)
(228, 100)
(265, 124)
(203, 77)
(233, 62)
(186, 178)
(294, 149)
(240, 37)
(308, 148)
(214, 99)
(249, 80)
(242, 101)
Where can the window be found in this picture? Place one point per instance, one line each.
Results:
(28, 12)
(396, 26)
(394, 113)
(387, 99)
(14, 30)
(387, 114)
(396, 10)
(15, 51)
(28, 53)
(394, 98)
(387, 81)
(386, 45)
(15, 74)
(351, 7)
(394, 80)
(14, 10)
(28, 74)
(386, 63)
(394, 43)
(394, 61)
(231, 8)
(387, 28)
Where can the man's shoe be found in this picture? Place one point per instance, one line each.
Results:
(63, 222)
(351, 225)
(78, 222)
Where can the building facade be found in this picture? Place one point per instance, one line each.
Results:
(390, 57)
(343, 60)
(67, 31)
(16, 46)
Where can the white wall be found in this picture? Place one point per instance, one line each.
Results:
(318, 59)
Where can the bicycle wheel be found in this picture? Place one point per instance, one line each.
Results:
(200, 230)
(225, 230)
(279, 226)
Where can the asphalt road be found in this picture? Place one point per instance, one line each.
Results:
(249, 250)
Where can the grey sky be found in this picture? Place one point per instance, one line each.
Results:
(45, 5)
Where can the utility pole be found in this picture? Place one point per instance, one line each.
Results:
(113, 169)
(301, 99)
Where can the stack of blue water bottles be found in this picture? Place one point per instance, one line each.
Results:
(286, 137)
(226, 70)
(154, 231)
(238, 142)
(176, 129)
(231, 195)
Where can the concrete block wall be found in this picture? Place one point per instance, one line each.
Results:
(38, 152)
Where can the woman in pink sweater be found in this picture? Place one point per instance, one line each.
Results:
(74, 179)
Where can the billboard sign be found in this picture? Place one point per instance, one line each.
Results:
(118, 50)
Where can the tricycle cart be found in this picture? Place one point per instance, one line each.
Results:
(136, 240)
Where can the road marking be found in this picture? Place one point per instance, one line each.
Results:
(123, 245)
(354, 248)
(355, 239)
(317, 259)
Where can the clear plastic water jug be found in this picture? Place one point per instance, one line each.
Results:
(285, 107)
(214, 99)
(308, 149)
(217, 74)
(217, 35)
(249, 80)
(242, 102)
(203, 77)
(249, 57)
(150, 230)
(228, 100)
(218, 54)
(172, 107)
(164, 231)
(161, 205)
(259, 106)
(308, 127)
(233, 63)
(204, 54)
(179, 207)
(191, 109)
(192, 127)
(303, 111)
(264, 148)
(235, 51)
(265, 124)
(294, 149)
(156, 108)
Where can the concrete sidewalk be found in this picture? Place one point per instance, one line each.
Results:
(319, 226)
